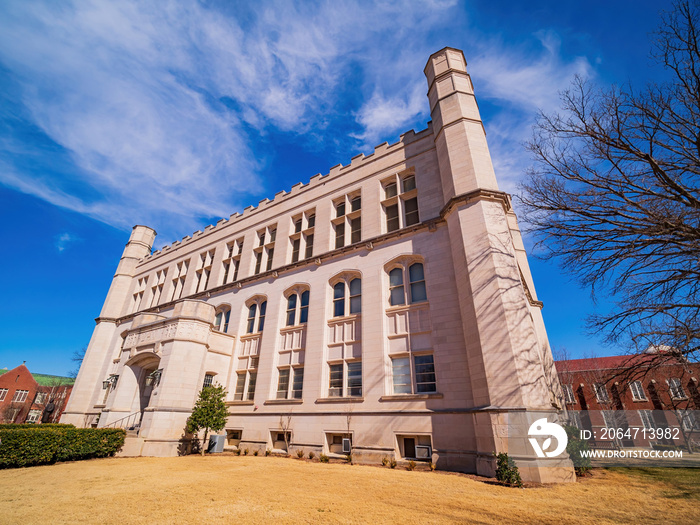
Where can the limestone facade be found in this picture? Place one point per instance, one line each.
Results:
(385, 308)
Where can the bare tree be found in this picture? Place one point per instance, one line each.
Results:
(286, 426)
(615, 195)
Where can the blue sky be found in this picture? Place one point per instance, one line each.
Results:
(210, 106)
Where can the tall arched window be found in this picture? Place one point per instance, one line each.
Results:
(256, 311)
(347, 293)
(414, 274)
(222, 319)
(298, 308)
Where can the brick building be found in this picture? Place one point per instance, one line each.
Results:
(599, 393)
(384, 309)
(24, 396)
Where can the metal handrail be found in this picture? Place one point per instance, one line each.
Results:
(126, 422)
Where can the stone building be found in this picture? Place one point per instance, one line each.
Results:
(386, 308)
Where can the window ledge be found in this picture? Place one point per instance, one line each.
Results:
(340, 400)
(640, 401)
(99, 406)
(411, 397)
(239, 403)
(283, 402)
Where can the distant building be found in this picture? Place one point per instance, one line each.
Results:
(665, 396)
(385, 309)
(24, 396)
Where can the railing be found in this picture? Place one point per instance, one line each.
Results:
(130, 422)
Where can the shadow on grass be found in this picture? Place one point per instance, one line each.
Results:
(684, 483)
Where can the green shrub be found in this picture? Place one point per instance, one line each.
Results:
(323, 458)
(300, 453)
(385, 461)
(312, 455)
(392, 463)
(574, 447)
(255, 452)
(268, 452)
(42, 445)
(17, 426)
(432, 466)
(411, 465)
(238, 452)
(507, 471)
(245, 451)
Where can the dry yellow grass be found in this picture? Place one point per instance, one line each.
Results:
(230, 489)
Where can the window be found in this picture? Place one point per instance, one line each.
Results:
(351, 222)
(401, 210)
(345, 379)
(688, 420)
(33, 416)
(297, 226)
(138, 296)
(601, 393)
(676, 388)
(179, 279)
(423, 371)
(569, 397)
(637, 391)
(416, 289)
(3, 394)
(256, 311)
(245, 381)
(296, 243)
(232, 262)
(344, 293)
(208, 380)
(222, 319)
(40, 398)
(647, 417)
(298, 308)
(20, 396)
(204, 272)
(297, 383)
(265, 249)
(157, 289)
(609, 418)
(575, 420)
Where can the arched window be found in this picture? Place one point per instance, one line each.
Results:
(222, 319)
(347, 293)
(414, 274)
(256, 311)
(298, 308)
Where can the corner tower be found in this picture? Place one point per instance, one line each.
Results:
(81, 410)
(507, 351)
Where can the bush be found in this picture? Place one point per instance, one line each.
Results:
(411, 465)
(41, 445)
(323, 458)
(574, 447)
(300, 453)
(385, 461)
(348, 458)
(255, 452)
(245, 452)
(268, 452)
(312, 455)
(432, 466)
(392, 463)
(17, 426)
(238, 452)
(506, 471)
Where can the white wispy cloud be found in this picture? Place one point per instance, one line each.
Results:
(62, 240)
(158, 106)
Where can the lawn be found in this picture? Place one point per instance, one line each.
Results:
(232, 489)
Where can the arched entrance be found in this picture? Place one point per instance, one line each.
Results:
(145, 378)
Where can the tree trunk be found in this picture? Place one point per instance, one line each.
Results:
(204, 444)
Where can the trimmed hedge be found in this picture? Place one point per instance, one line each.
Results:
(26, 447)
(11, 426)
